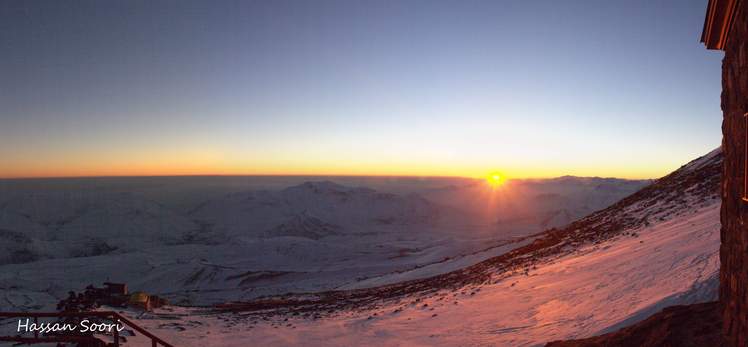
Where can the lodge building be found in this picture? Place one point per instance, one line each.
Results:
(726, 28)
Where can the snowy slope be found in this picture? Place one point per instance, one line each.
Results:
(580, 294)
(655, 248)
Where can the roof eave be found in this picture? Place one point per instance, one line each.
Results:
(718, 22)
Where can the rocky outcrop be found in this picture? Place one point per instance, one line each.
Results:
(682, 326)
(734, 214)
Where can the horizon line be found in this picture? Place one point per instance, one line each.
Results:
(310, 175)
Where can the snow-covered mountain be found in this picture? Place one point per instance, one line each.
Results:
(43, 225)
(535, 204)
(200, 244)
(655, 248)
(203, 240)
(322, 206)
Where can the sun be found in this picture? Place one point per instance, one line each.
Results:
(495, 179)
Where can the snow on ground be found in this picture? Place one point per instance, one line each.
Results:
(655, 248)
(579, 294)
(207, 240)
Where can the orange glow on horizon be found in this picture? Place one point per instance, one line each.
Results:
(178, 168)
(176, 155)
(220, 162)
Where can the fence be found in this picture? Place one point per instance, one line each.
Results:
(109, 315)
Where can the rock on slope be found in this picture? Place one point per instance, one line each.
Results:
(698, 325)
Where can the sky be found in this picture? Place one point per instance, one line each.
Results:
(424, 88)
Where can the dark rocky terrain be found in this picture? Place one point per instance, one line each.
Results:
(698, 325)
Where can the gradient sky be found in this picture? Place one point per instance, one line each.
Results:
(526, 88)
